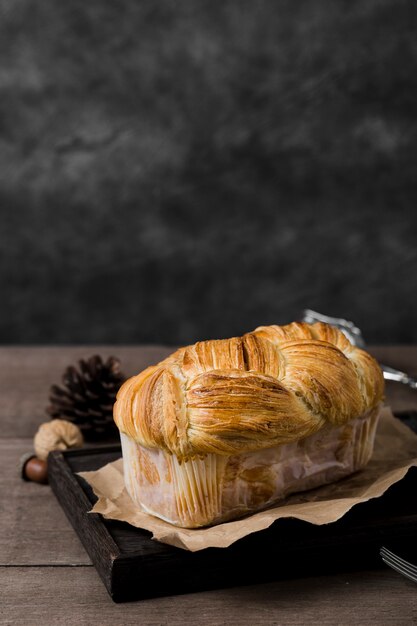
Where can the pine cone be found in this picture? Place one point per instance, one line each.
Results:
(88, 396)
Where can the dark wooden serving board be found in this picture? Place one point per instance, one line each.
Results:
(133, 566)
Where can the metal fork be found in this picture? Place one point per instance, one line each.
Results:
(400, 565)
(354, 334)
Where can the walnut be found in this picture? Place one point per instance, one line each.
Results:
(57, 434)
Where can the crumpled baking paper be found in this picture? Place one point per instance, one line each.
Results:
(395, 452)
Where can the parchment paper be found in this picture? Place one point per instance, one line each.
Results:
(394, 453)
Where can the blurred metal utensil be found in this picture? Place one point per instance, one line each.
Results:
(400, 565)
(354, 334)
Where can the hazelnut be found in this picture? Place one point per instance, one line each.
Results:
(35, 469)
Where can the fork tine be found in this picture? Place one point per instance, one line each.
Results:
(401, 562)
(400, 570)
(400, 565)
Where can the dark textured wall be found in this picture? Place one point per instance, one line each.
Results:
(173, 171)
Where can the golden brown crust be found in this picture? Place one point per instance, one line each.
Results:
(272, 386)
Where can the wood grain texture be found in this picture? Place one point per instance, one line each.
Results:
(133, 567)
(33, 528)
(26, 374)
(46, 576)
(74, 596)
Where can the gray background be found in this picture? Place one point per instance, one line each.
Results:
(174, 171)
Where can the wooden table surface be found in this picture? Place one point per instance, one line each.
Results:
(46, 576)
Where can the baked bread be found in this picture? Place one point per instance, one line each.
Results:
(227, 427)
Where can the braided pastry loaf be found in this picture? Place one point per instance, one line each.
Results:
(227, 427)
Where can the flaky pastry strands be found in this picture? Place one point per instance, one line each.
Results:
(187, 494)
(273, 386)
(217, 488)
